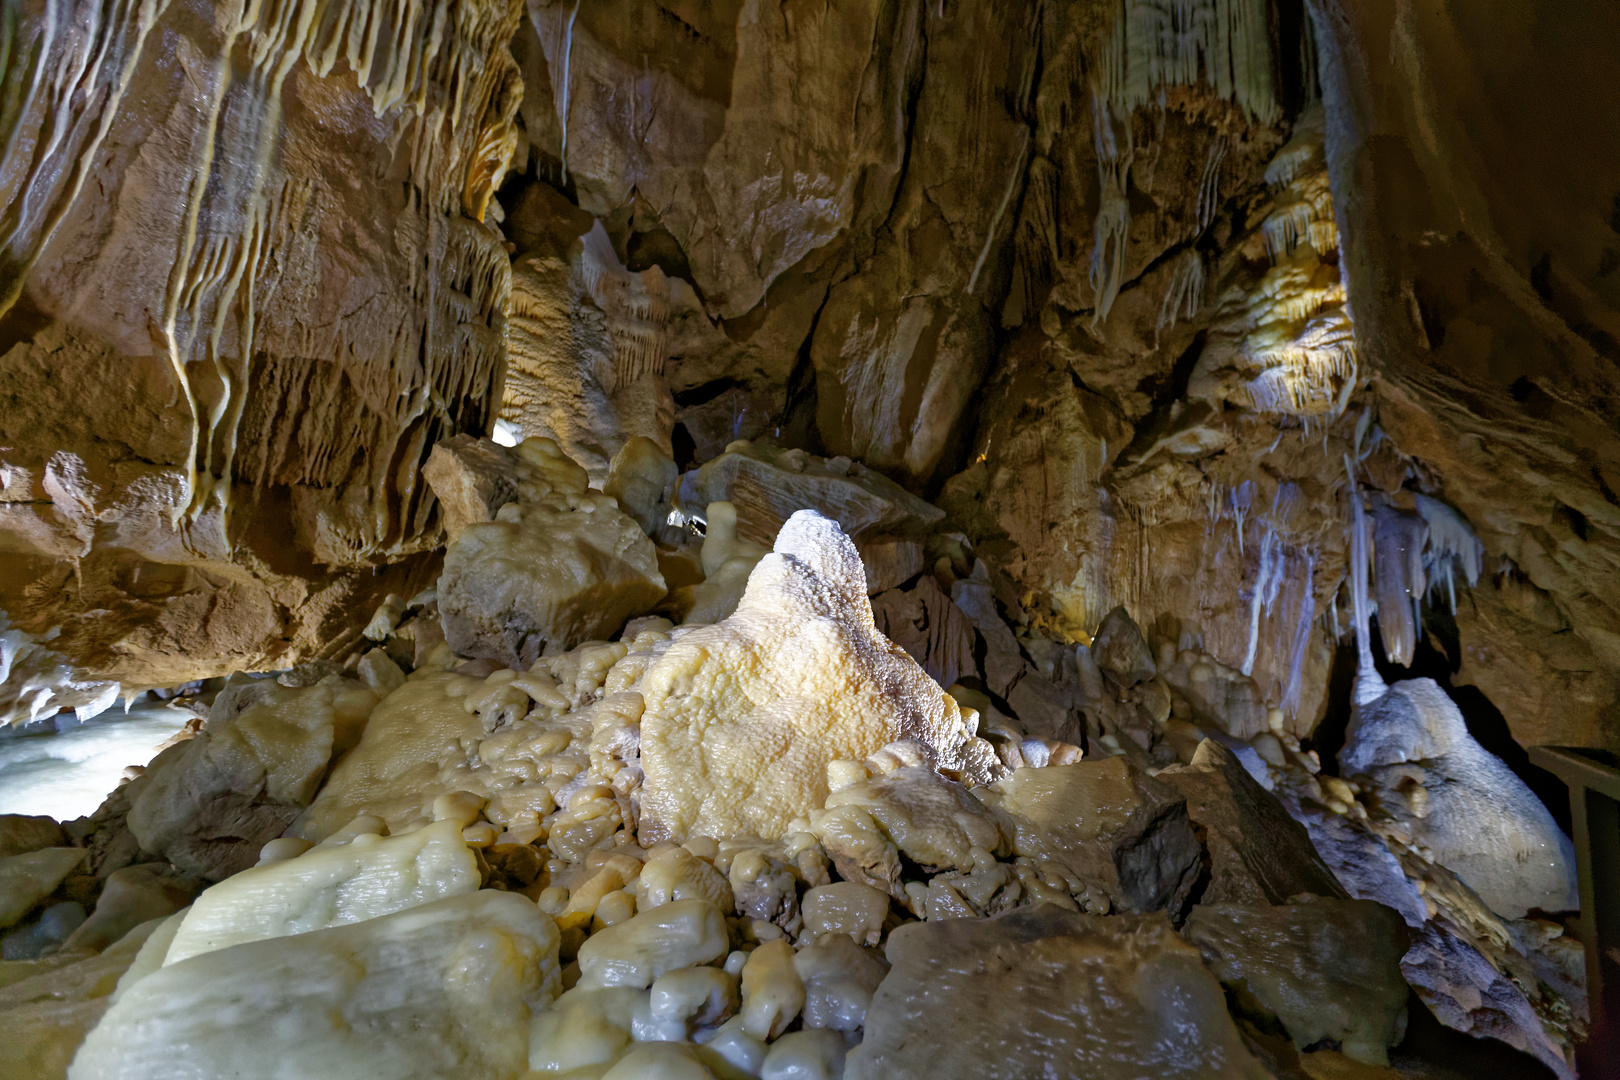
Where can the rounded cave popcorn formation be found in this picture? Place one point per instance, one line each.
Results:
(901, 624)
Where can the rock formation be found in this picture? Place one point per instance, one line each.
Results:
(812, 504)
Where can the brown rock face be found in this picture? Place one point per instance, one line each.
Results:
(246, 286)
(1124, 995)
(1474, 161)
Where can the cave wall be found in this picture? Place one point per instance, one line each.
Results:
(1475, 155)
(1072, 270)
(246, 284)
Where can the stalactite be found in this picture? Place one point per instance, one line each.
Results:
(1158, 43)
(1369, 684)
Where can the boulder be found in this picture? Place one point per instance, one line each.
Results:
(1329, 969)
(546, 575)
(768, 485)
(209, 803)
(1038, 991)
(21, 833)
(27, 879)
(130, 897)
(1257, 853)
(1121, 833)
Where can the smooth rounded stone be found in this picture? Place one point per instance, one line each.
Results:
(839, 979)
(858, 847)
(934, 821)
(27, 879)
(1329, 969)
(674, 935)
(443, 989)
(1463, 804)
(49, 931)
(772, 992)
(208, 804)
(742, 717)
(677, 874)
(329, 885)
(22, 833)
(1258, 854)
(730, 1052)
(46, 1012)
(130, 897)
(845, 907)
(543, 577)
(583, 1028)
(698, 996)
(1039, 990)
(815, 1054)
(659, 1061)
(1115, 828)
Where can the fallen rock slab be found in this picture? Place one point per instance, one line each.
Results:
(1258, 854)
(1043, 992)
(1329, 969)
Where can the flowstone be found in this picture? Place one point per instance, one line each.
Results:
(742, 717)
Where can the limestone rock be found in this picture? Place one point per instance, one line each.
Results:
(1124, 995)
(839, 980)
(768, 485)
(442, 988)
(1329, 969)
(20, 834)
(545, 576)
(1257, 853)
(586, 339)
(1118, 830)
(924, 622)
(670, 936)
(472, 479)
(1467, 992)
(47, 1012)
(1121, 651)
(131, 897)
(208, 804)
(1461, 801)
(742, 717)
(240, 321)
(27, 879)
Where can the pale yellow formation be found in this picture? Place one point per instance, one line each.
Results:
(743, 717)
(413, 751)
(772, 992)
(332, 885)
(932, 820)
(674, 935)
(442, 989)
(46, 1006)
